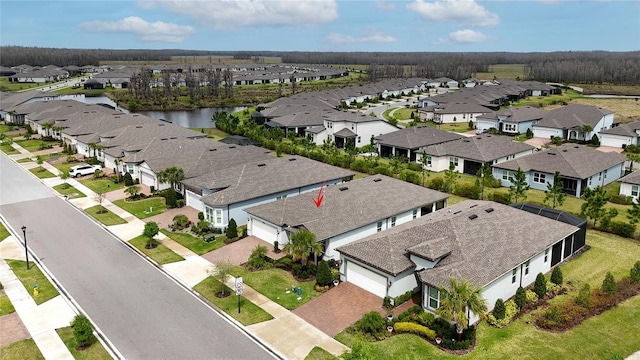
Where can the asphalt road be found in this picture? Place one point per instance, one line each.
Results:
(143, 313)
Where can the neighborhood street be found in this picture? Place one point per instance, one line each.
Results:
(142, 312)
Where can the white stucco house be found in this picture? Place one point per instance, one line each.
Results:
(343, 126)
(630, 185)
(348, 212)
(621, 136)
(512, 120)
(495, 247)
(454, 112)
(571, 121)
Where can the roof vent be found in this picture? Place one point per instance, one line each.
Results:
(344, 188)
(173, 137)
(472, 206)
(551, 153)
(457, 212)
(292, 159)
(213, 149)
(261, 165)
(473, 216)
(488, 210)
(564, 150)
(576, 146)
(377, 180)
(163, 138)
(232, 147)
(465, 140)
(139, 127)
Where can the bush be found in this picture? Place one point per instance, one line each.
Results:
(540, 286)
(257, 259)
(323, 276)
(521, 297)
(531, 296)
(502, 197)
(510, 310)
(303, 272)
(403, 298)
(436, 183)
(635, 272)
(180, 203)
(621, 199)
(82, 330)
(499, 309)
(584, 296)
(386, 302)
(413, 328)
(468, 190)
(414, 166)
(201, 216)
(556, 276)
(621, 228)
(529, 133)
(595, 141)
(232, 229)
(180, 222)
(382, 169)
(609, 285)
(171, 198)
(128, 180)
(553, 289)
(372, 323)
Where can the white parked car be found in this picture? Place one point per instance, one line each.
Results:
(83, 169)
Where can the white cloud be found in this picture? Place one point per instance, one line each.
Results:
(374, 37)
(229, 14)
(144, 30)
(468, 36)
(465, 12)
(385, 5)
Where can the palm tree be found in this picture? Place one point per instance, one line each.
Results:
(585, 129)
(458, 300)
(301, 245)
(47, 126)
(172, 175)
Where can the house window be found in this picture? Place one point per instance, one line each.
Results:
(281, 197)
(539, 178)
(526, 268)
(393, 221)
(434, 297)
(506, 174)
(208, 214)
(509, 127)
(379, 226)
(351, 126)
(546, 255)
(514, 272)
(634, 190)
(454, 161)
(605, 174)
(428, 160)
(359, 139)
(600, 176)
(218, 219)
(329, 124)
(130, 168)
(415, 213)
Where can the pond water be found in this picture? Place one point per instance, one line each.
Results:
(199, 118)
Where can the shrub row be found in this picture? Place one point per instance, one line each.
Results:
(416, 329)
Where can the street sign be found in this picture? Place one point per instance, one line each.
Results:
(239, 285)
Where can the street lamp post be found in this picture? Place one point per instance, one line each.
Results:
(26, 250)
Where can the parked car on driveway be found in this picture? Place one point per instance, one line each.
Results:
(83, 169)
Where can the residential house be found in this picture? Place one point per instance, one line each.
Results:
(9, 101)
(348, 212)
(512, 120)
(344, 126)
(621, 136)
(224, 195)
(579, 166)
(468, 154)
(408, 141)
(495, 247)
(630, 185)
(574, 122)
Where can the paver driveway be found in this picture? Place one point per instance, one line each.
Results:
(238, 252)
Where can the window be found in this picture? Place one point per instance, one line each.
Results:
(506, 174)
(218, 219)
(379, 226)
(509, 127)
(434, 297)
(605, 174)
(514, 272)
(634, 190)
(539, 178)
(428, 160)
(454, 161)
(130, 168)
(281, 197)
(526, 268)
(600, 176)
(352, 126)
(329, 125)
(415, 213)
(359, 139)
(546, 255)
(208, 214)
(393, 221)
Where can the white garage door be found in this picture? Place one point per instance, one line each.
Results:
(544, 132)
(147, 179)
(263, 231)
(194, 201)
(366, 279)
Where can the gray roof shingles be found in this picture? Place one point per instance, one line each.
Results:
(482, 148)
(415, 137)
(573, 116)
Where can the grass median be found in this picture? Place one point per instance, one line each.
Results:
(194, 243)
(4, 233)
(32, 277)
(160, 253)
(106, 217)
(95, 351)
(70, 191)
(143, 208)
(42, 173)
(21, 350)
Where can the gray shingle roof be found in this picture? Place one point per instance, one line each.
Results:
(344, 132)
(415, 137)
(633, 178)
(479, 148)
(575, 161)
(351, 116)
(522, 114)
(628, 129)
(261, 178)
(364, 201)
(573, 116)
(478, 249)
(462, 108)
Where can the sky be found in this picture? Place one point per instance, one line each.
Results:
(325, 25)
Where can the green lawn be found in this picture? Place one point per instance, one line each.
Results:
(6, 85)
(66, 189)
(195, 244)
(160, 254)
(95, 351)
(318, 353)
(21, 350)
(3, 232)
(35, 144)
(66, 165)
(32, 277)
(6, 307)
(213, 133)
(459, 126)
(250, 313)
(24, 160)
(102, 185)
(404, 113)
(274, 283)
(566, 96)
(8, 149)
(140, 208)
(107, 219)
(42, 173)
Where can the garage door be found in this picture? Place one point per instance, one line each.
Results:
(194, 201)
(147, 179)
(544, 132)
(366, 279)
(263, 231)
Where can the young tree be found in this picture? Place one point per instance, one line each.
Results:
(64, 176)
(633, 214)
(150, 230)
(232, 229)
(451, 177)
(257, 259)
(540, 286)
(171, 198)
(99, 197)
(395, 161)
(594, 202)
(584, 296)
(521, 297)
(634, 273)
(556, 276)
(221, 272)
(82, 330)
(484, 177)
(520, 186)
(132, 190)
(529, 133)
(456, 299)
(128, 180)
(499, 309)
(301, 245)
(609, 285)
(424, 161)
(323, 274)
(554, 191)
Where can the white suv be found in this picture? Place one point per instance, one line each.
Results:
(84, 169)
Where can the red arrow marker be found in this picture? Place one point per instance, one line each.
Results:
(318, 201)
